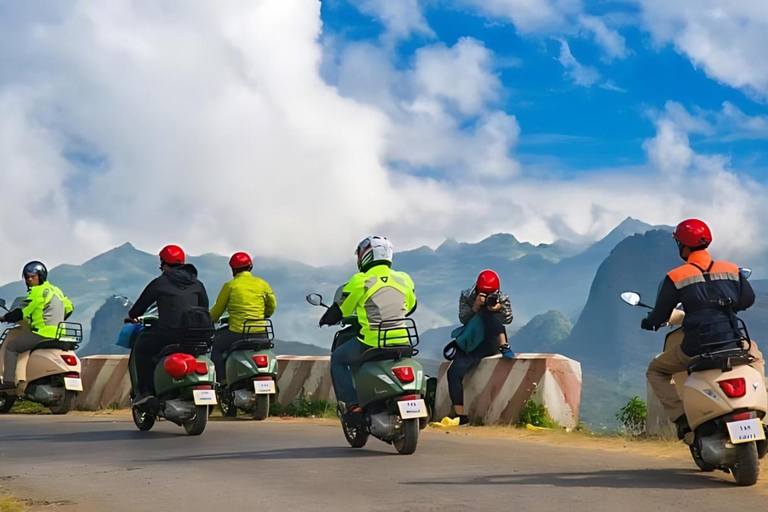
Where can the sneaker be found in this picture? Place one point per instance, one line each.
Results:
(463, 419)
(354, 415)
(142, 398)
(682, 427)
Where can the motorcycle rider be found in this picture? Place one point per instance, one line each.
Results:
(176, 291)
(711, 293)
(44, 308)
(246, 297)
(375, 294)
(484, 300)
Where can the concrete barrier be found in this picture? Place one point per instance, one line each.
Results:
(497, 389)
(106, 383)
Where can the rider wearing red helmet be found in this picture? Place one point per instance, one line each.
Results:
(176, 291)
(711, 293)
(484, 309)
(246, 297)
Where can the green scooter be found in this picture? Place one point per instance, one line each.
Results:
(251, 371)
(184, 379)
(390, 385)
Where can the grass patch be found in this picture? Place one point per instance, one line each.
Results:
(304, 407)
(537, 415)
(10, 504)
(25, 407)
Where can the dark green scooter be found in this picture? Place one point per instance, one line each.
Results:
(251, 371)
(184, 380)
(390, 385)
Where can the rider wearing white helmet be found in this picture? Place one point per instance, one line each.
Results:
(374, 295)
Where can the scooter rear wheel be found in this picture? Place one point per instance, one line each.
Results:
(196, 425)
(65, 405)
(6, 403)
(144, 420)
(747, 467)
(406, 443)
(261, 409)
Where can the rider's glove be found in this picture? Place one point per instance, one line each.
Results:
(648, 326)
(506, 351)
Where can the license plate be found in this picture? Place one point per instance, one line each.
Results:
(746, 431)
(73, 384)
(410, 409)
(204, 396)
(264, 387)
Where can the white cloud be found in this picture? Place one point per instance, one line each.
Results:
(402, 18)
(725, 38)
(531, 16)
(585, 76)
(611, 41)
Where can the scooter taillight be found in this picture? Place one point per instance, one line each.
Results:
(403, 373)
(734, 388)
(261, 361)
(70, 359)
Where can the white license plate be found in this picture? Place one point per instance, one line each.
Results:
(410, 409)
(73, 384)
(204, 396)
(264, 387)
(746, 430)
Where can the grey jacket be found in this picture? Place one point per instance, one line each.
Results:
(467, 300)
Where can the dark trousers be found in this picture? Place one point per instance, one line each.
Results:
(222, 340)
(341, 373)
(147, 347)
(463, 361)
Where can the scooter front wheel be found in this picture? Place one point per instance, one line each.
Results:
(406, 443)
(226, 405)
(356, 436)
(196, 425)
(747, 467)
(144, 421)
(6, 403)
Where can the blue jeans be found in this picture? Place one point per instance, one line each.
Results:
(341, 374)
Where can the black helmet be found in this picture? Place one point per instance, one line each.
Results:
(35, 267)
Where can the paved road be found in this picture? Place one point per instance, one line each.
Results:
(104, 463)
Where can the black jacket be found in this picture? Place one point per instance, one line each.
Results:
(175, 292)
(712, 292)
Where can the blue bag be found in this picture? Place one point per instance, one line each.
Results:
(127, 333)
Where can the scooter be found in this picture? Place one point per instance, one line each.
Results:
(390, 385)
(49, 374)
(184, 378)
(725, 402)
(250, 371)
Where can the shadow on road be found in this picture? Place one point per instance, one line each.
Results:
(681, 479)
(95, 435)
(321, 452)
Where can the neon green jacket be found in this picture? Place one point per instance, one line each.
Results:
(45, 307)
(245, 297)
(375, 296)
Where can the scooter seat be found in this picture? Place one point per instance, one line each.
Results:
(194, 349)
(725, 361)
(57, 344)
(387, 354)
(250, 344)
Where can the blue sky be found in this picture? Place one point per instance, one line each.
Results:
(575, 128)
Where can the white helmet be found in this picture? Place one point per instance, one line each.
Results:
(373, 248)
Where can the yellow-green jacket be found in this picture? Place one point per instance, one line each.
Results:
(246, 297)
(375, 296)
(44, 308)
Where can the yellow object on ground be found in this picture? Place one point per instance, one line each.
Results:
(534, 428)
(446, 422)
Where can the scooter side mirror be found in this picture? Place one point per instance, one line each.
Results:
(631, 298)
(315, 299)
(746, 272)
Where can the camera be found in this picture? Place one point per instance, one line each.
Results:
(492, 299)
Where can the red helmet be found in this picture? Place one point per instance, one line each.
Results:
(488, 282)
(240, 260)
(172, 255)
(693, 233)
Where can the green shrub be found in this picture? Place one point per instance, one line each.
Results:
(632, 417)
(537, 415)
(304, 407)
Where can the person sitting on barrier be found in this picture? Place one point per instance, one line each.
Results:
(246, 297)
(483, 312)
(374, 295)
(176, 292)
(710, 292)
(43, 309)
